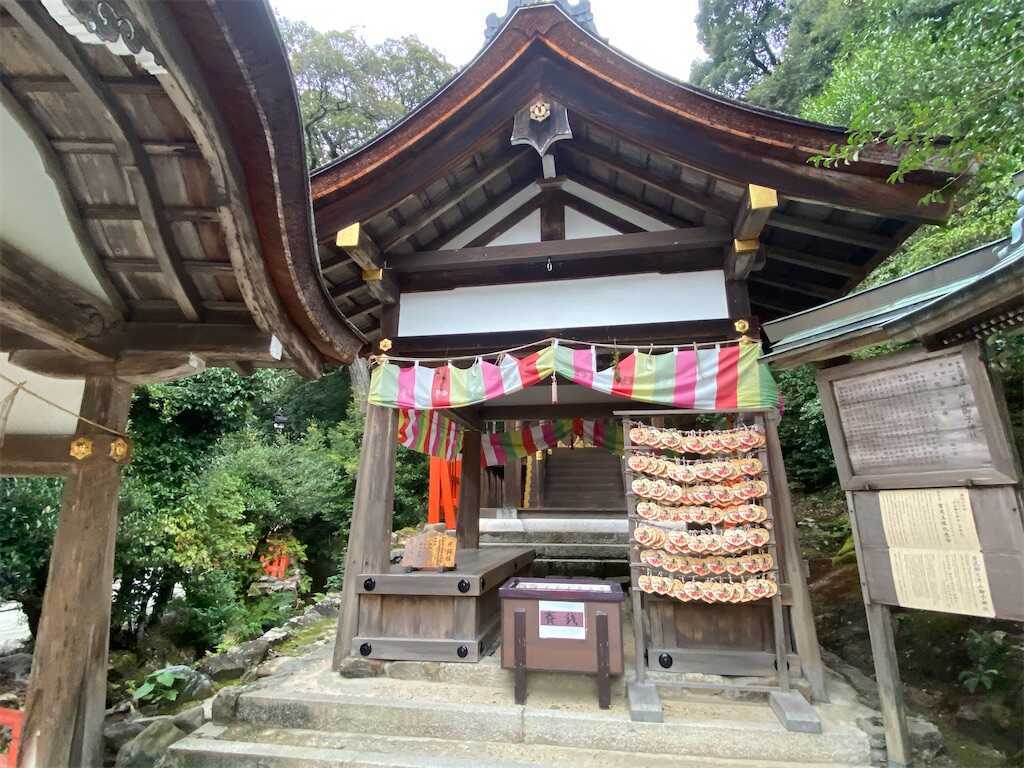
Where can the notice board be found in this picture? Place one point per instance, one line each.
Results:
(916, 420)
(923, 450)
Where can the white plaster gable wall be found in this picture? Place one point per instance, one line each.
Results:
(579, 225)
(526, 230)
(32, 218)
(30, 416)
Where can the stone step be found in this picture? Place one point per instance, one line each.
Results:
(580, 550)
(382, 707)
(295, 748)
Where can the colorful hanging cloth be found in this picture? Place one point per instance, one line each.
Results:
(429, 432)
(707, 378)
(500, 447)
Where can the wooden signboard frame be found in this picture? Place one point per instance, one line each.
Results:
(991, 483)
(993, 439)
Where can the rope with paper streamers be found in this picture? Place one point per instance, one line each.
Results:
(21, 387)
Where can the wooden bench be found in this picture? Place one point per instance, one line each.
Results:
(429, 616)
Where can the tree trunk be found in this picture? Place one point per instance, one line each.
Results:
(67, 688)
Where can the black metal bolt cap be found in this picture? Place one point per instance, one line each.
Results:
(462, 651)
(665, 660)
(369, 585)
(464, 586)
(365, 649)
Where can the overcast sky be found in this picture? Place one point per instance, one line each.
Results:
(659, 33)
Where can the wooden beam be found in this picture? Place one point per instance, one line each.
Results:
(348, 288)
(35, 455)
(608, 246)
(833, 232)
(552, 217)
(94, 146)
(67, 689)
(42, 303)
(457, 194)
(382, 285)
(492, 205)
(103, 212)
(560, 411)
(131, 368)
(467, 521)
(810, 261)
(354, 241)
(60, 50)
(136, 86)
(369, 538)
(755, 208)
(189, 90)
(672, 187)
(743, 257)
(148, 266)
(807, 289)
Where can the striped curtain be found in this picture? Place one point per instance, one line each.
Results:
(499, 447)
(429, 432)
(708, 379)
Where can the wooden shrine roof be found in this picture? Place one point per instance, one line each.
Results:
(671, 151)
(180, 172)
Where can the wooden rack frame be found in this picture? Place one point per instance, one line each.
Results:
(791, 708)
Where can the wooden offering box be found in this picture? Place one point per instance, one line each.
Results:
(562, 625)
(436, 616)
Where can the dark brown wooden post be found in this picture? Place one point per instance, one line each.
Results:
(805, 636)
(604, 686)
(68, 687)
(467, 523)
(369, 537)
(513, 484)
(519, 639)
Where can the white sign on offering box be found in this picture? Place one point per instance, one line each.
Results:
(561, 620)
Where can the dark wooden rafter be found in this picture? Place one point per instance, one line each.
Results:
(136, 86)
(811, 261)
(608, 246)
(35, 455)
(99, 146)
(797, 286)
(456, 195)
(507, 222)
(142, 266)
(106, 212)
(597, 213)
(61, 52)
(672, 187)
(30, 291)
(55, 170)
(665, 217)
(188, 91)
(467, 223)
(833, 232)
(357, 244)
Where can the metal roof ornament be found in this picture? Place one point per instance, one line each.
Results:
(540, 124)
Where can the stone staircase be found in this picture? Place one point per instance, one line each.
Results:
(581, 528)
(419, 715)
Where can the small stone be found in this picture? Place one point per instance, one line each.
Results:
(879, 756)
(117, 733)
(276, 636)
(224, 704)
(926, 739)
(190, 719)
(356, 666)
(146, 749)
(15, 668)
(10, 701)
(236, 661)
(305, 620)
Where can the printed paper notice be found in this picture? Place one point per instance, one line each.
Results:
(936, 558)
(562, 620)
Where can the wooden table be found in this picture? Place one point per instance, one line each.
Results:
(430, 616)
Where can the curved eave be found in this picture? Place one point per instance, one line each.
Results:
(545, 32)
(238, 47)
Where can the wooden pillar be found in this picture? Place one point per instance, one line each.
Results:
(369, 537)
(68, 686)
(513, 486)
(805, 636)
(467, 524)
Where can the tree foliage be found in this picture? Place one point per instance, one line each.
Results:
(743, 40)
(350, 90)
